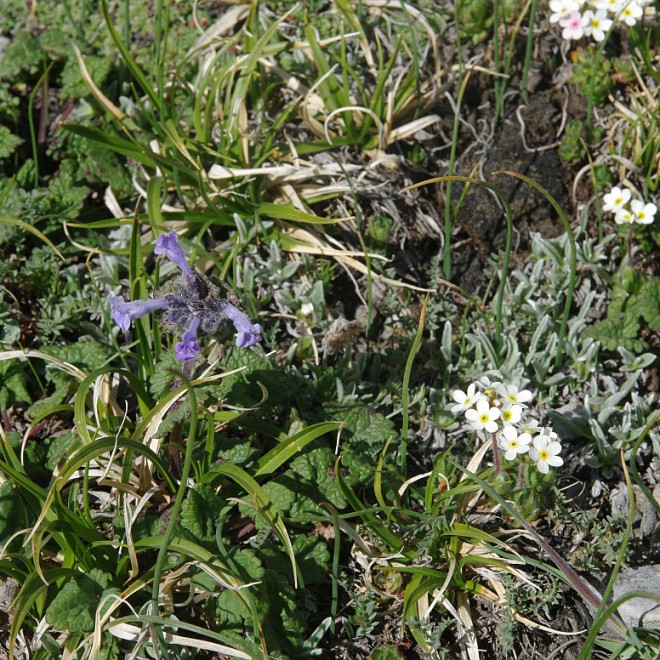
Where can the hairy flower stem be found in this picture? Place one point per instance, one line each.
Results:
(177, 444)
(521, 476)
(496, 456)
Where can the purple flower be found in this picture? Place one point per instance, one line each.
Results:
(124, 312)
(194, 306)
(188, 348)
(248, 333)
(168, 244)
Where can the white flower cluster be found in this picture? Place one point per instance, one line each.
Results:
(499, 408)
(589, 18)
(627, 212)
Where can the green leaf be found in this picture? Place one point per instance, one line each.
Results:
(230, 609)
(364, 435)
(12, 383)
(318, 484)
(262, 503)
(648, 303)
(290, 212)
(8, 142)
(62, 445)
(311, 552)
(281, 497)
(13, 513)
(200, 511)
(4, 219)
(292, 446)
(74, 607)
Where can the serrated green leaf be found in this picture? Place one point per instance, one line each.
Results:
(8, 142)
(648, 303)
(316, 467)
(248, 563)
(61, 445)
(617, 330)
(279, 494)
(200, 511)
(74, 607)
(230, 609)
(311, 552)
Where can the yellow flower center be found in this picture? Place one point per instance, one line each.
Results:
(544, 455)
(483, 418)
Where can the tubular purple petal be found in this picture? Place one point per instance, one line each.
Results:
(188, 348)
(124, 312)
(168, 244)
(248, 333)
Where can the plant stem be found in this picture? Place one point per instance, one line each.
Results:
(496, 456)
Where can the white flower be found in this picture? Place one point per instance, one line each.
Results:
(483, 417)
(572, 24)
(547, 431)
(531, 426)
(512, 443)
(616, 199)
(630, 13)
(511, 394)
(613, 6)
(596, 25)
(562, 7)
(644, 213)
(545, 453)
(511, 413)
(465, 400)
(624, 217)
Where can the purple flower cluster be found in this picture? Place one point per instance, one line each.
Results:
(193, 306)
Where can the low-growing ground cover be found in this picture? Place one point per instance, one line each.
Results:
(329, 329)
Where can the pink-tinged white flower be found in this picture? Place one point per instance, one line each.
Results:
(630, 13)
(644, 213)
(572, 24)
(513, 444)
(624, 217)
(596, 24)
(560, 8)
(465, 400)
(616, 199)
(545, 453)
(483, 417)
(511, 394)
(511, 414)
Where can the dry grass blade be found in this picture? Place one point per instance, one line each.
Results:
(132, 633)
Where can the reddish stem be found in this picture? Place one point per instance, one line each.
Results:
(496, 456)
